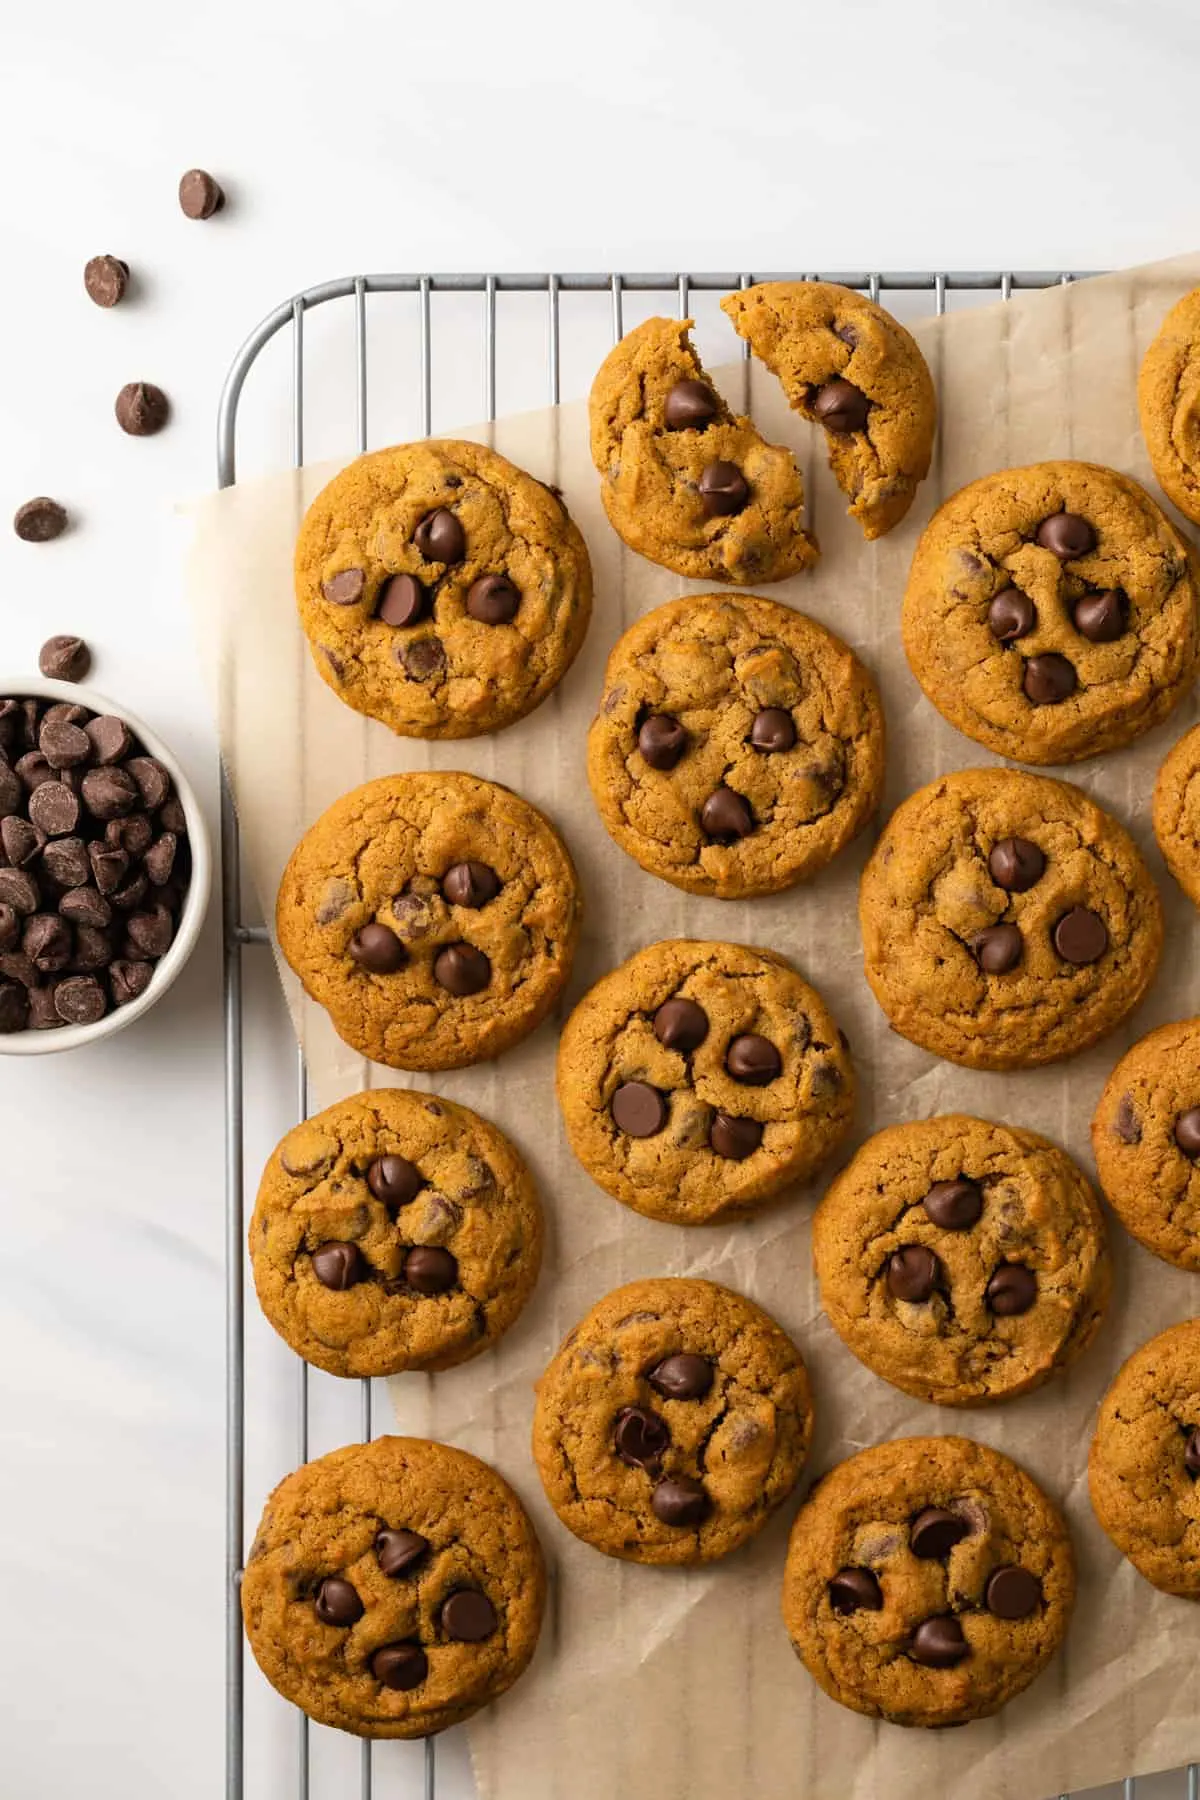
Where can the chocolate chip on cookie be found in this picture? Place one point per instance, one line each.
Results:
(912, 1273)
(470, 884)
(338, 1266)
(681, 1025)
(345, 588)
(493, 600)
(954, 1205)
(467, 1616)
(773, 729)
(1049, 679)
(840, 406)
(753, 1059)
(639, 1109)
(723, 490)
(402, 600)
(1081, 936)
(397, 1552)
(1067, 535)
(855, 1590)
(1101, 617)
(680, 1500)
(337, 1602)
(690, 406)
(462, 969)
(939, 1643)
(377, 949)
(662, 740)
(682, 1376)
(998, 948)
(1011, 615)
(726, 816)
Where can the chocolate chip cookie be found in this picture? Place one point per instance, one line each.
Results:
(1177, 812)
(1052, 612)
(738, 745)
(849, 366)
(699, 1079)
(928, 1581)
(442, 589)
(1146, 1139)
(964, 1261)
(685, 481)
(434, 915)
(393, 1588)
(1007, 920)
(394, 1231)
(672, 1422)
(1145, 1460)
(1169, 404)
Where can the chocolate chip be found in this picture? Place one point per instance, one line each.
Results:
(141, 408)
(199, 195)
(109, 793)
(30, 713)
(150, 933)
(493, 600)
(430, 1270)
(338, 1603)
(840, 406)
(726, 816)
(662, 740)
(424, 658)
(172, 816)
(954, 1205)
(1067, 535)
(1015, 864)
(105, 279)
(681, 1025)
(1048, 679)
(734, 1138)
(639, 1109)
(345, 588)
(1191, 1454)
(129, 979)
(1011, 615)
(377, 949)
(470, 884)
(152, 778)
(134, 833)
(1012, 1592)
(47, 942)
(912, 1273)
(80, 1000)
(400, 1666)
(855, 1590)
(16, 966)
(640, 1437)
(43, 1014)
(33, 769)
(1127, 1124)
(773, 729)
(1081, 936)
(934, 1532)
(683, 1376)
(93, 949)
(12, 791)
(462, 969)
(394, 1180)
(724, 490)
(19, 890)
(998, 948)
(131, 893)
(753, 1060)
(109, 737)
(339, 1266)
(1187, 1132)
(1101, 617)
(86, 906)
(63, 745)
(401, 601)
(160, 858)
(467, 1616)
(690, 406)
(939, 1643)
(20, 839)
(1011, 1290)
(440, 538)
(67, 712)
(54, 809)
(40, 520)
(679, 1500)
(109, 866)
(10, 926)
(64, 659)
(399, 1551)
(14, 1006)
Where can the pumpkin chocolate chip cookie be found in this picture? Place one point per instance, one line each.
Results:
(394, 1230)
(849, 366)
(1177, 812)
(1007, 920)
(434, 915)
(685, 481)
(393, 1588)
(1145, 1460)
(928, 1581)
(964, 1261)
(672, 1422)
(699, 1079)
(442, 589)
(1169, 404)
(1052, 612)
(738, 745)
(1146, 1139)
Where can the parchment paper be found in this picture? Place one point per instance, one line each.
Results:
(683, 1683)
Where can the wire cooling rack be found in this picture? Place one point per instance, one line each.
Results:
(464, 306)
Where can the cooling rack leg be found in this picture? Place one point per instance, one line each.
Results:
(235, 1448)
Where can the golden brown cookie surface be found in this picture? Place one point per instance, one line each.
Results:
(847, 365)
(434, 915)
(963, 1260)
(698, 1080)
(738, 745)
(1169, 404)
(1051, 612)
(673, 1420)
(393, 1588)
(1146, 1139)
(1177, 812)
(442, 589)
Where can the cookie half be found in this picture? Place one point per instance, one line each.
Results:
(963, 1260)
(1145, 1460)
(684, 480)
(700, 1079)
(442, 590)
(434, 915)
(673, 1420)
(1052, 612)
(1146, 1139)
(738, 745)
(395, 1230)
(393, 1588)
(1177, 812)
(850, 367)
(1169, 404)
(1007, 920)
(928, 1581)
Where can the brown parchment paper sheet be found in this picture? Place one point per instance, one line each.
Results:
(683, 1683)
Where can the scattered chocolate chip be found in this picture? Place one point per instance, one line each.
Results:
(21, 840)
(424, 658)
(14, 1006)
(1015, 864)
(462, 969)
(662, 740)
(1081, 936)
(1011, 1290)
(734, 1138)
(402, 601)
(773, 729)
(726, 816)
(690, 406)
(683, 1376)
(48, 942)
(939, 1643)
(840, 406)
(338, 1603)
(753, 1060)
(954, 1205)
(109, 793)
(855, 1590)
(1187, 1132)
(86, 906)
(377, 949)
(440, 538)
(1067, 535)
(640, 1437)
(934, 1532)
(470, 884)
(681, 1025)
(39, 520)
(105, 279)
(912, 1273)
(200, 196)
(1101, 617)
(1191, 1454)
(399, 1551)
(54, 809)
(679, 1500)
(467, 1616)
(400, 1666)
(493, 600)
(430, 1270)
(394, 1180)
(724, 490)
(1048, 679)
(141, 408)
(345, 588)
(64, 659)
(63, 745)
(80, 1000)
(1127, 1124)
(998, 948)
(1012, 1592)
(129, 979)
(639, 1109)
(337, 1265)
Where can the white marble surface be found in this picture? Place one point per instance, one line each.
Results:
(371, 136)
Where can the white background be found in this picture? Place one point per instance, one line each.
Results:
(353, 136)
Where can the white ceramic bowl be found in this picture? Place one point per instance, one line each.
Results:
(70, 1037)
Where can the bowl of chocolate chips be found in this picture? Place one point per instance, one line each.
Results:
(105, 867)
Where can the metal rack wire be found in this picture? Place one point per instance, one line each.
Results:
(933, 288)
